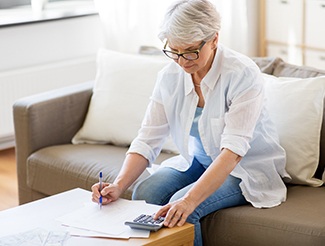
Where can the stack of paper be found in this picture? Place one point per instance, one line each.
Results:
(91, 221)
(35, 237)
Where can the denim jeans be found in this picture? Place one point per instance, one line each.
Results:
(168, 184)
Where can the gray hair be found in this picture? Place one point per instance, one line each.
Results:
(190, 21)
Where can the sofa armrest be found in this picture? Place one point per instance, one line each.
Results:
(47, 119)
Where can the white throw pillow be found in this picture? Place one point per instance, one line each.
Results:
(121, 93)
(296, 107)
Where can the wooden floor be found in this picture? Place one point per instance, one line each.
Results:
(8, 179)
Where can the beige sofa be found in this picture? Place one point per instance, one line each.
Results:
(47, 163)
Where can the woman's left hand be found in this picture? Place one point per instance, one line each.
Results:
(176, 212)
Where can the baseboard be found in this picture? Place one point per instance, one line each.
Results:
(7, 142)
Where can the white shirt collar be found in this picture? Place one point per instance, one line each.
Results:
(211, 78)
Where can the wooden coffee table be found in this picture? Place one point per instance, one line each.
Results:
(43, 213)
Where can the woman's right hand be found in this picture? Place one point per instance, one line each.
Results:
(109, 193)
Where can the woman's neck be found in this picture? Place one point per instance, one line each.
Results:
(199, 75)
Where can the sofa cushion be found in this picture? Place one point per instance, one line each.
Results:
(121, 93)
(267, 64)
(296, 107)
(58, 168)
(284, 69)
(299, 222)
(289, 70)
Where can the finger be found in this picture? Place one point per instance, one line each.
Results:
(106, 189)
(95, 191)
(162, 212)
(109, 193)
(104, 200)
(95, 198)
(176, 218)
(170, 214)
(182, 220)
(95, 188)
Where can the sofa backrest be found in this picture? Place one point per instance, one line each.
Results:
(284, 69)
(277, 67)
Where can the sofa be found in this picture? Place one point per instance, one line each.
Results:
(54, 154)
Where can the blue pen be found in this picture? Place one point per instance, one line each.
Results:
(100, 189)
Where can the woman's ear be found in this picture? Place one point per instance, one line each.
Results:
(215, 40)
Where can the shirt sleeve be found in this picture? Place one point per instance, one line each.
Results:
(152, 134)
(245, 99)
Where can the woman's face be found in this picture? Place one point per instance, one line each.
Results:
(203, 63)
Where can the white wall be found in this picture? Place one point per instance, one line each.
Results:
(44, 56)
(46, 42)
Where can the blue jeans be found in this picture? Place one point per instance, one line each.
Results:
(168, 184)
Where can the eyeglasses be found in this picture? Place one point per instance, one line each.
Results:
(188, 55)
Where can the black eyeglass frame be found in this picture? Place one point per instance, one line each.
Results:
(197, 51)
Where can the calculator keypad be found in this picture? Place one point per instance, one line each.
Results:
(146, 222)
(148, 219)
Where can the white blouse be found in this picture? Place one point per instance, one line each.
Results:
(234, 117)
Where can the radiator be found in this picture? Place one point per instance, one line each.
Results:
(24, 82)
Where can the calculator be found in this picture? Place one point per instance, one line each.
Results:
(146, 222)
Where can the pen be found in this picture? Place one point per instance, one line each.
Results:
(100, 189)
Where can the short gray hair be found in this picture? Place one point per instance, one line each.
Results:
(190, 21)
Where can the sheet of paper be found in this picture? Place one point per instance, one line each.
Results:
(36, 237)
(126, 234)
(110, 219)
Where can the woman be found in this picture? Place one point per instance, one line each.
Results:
(212, 103)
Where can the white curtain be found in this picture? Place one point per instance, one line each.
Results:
(239, 24)
(129, 24)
